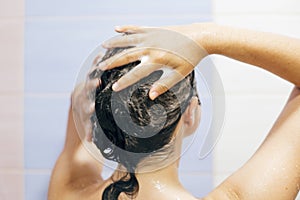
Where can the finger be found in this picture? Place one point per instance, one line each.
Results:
(91, 108)
(98, 58)
(123, 41)
(89, 136)
(164, 84)
(126, 57)
(129, 29)
(77, 90)
(91, 87)
(137, 73)
(92, 84)
(94, 73)
(88, 132)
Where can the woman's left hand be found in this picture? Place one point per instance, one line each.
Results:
(170, 48)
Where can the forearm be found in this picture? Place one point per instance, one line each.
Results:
(75, 164)
(274, 53)
(82, 160)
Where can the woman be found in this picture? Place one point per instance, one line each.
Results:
(76, 174)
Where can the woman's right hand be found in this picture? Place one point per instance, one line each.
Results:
(172, 48)
(83, 102)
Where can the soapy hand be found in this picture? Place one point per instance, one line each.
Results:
(156, 48)
(83, 102)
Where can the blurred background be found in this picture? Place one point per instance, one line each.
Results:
(43, 43)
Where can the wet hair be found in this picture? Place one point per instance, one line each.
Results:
(129, 121)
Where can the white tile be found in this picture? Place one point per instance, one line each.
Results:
(248, 120)
(256, 6)
(238, 77)
(298, 197)
(11, 8)
(276, 23)
(218, 178)
(11, 55)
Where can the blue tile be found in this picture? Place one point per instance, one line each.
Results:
(96, 7)
(191, 162)
(45, 127)
(107, 171)
(36, 186)
(191, 148)
(55, 49)
(197, 184)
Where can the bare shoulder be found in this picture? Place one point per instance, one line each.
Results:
(273, 172)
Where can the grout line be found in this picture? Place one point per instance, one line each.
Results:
(38, 171)
(24, 171)
(8, 18)
(11, 93)
(11, 171)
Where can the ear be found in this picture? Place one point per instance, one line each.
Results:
(191, 117)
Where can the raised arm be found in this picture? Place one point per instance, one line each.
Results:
(76, 171)
(274, 170)
(275, 53)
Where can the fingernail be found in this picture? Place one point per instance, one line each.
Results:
(153, 95)
(115, 86)
(117, 27)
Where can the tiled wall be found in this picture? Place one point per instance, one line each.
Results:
(254, 97)
(43, 44)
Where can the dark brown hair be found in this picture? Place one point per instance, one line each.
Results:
(140, 117)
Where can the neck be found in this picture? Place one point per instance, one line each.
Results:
(161, 181)
(154, 170)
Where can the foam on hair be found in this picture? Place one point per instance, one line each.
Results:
(140, 118)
